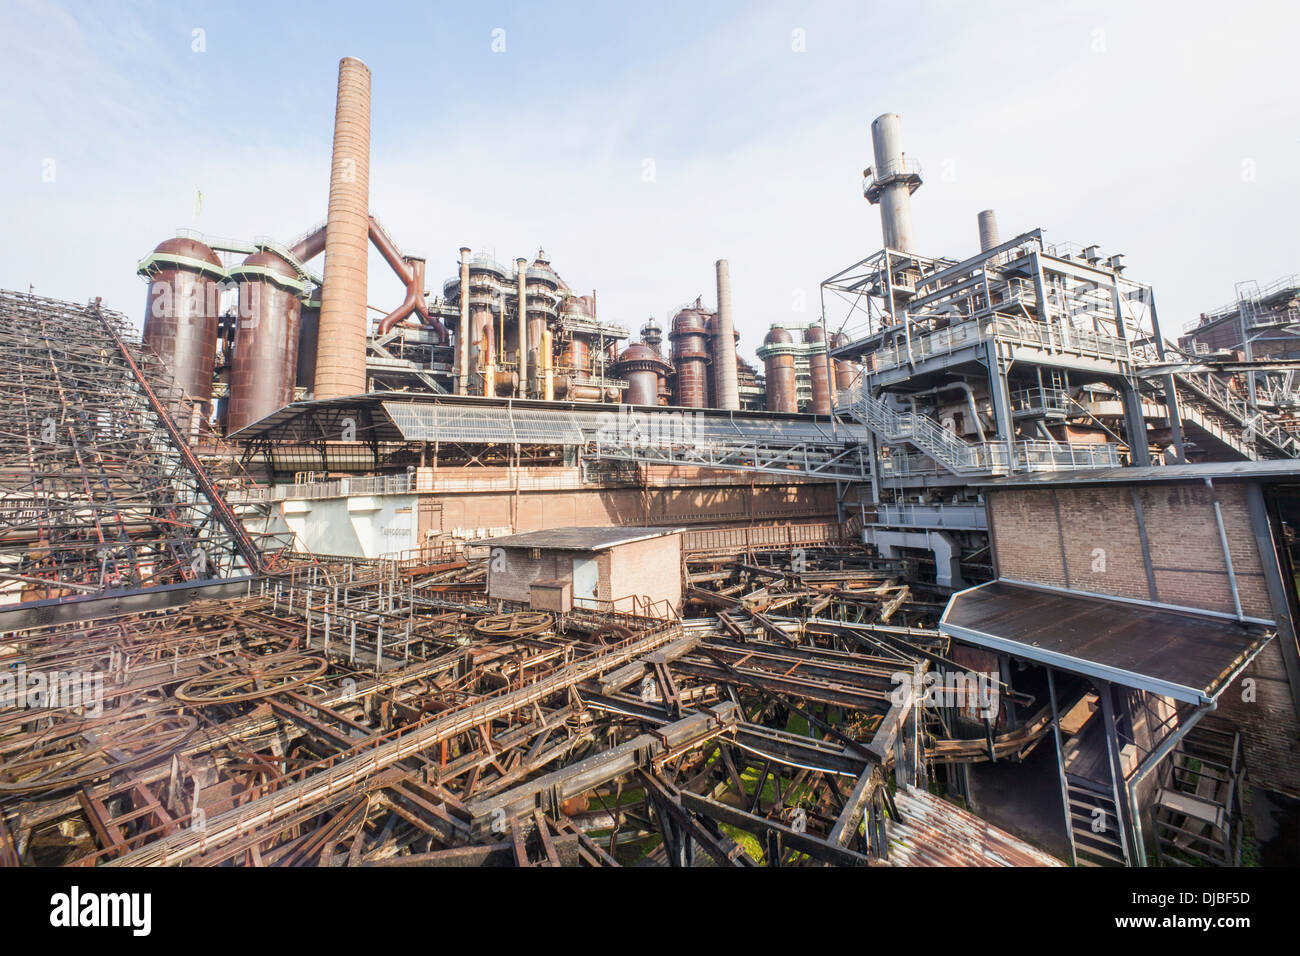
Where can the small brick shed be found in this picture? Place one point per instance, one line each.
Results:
(604, 566)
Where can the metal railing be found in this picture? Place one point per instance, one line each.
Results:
(969, 517)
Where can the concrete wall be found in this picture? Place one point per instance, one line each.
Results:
(368, 526)
(1052, 537)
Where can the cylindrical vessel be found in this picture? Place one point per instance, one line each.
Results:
(308, 340)
(690, 343)
(577, 356)
(643, 368)
(341, 362)
(266, 339)
(180, 323)
(464, 333)
(818, 369)
(726, 384)
(844, 371)
(778, 360)
(988, 223)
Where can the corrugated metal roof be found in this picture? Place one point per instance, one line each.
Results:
(934, 832)
(1188, 656)
(579, 539)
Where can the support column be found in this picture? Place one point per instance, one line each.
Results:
(1135, 427)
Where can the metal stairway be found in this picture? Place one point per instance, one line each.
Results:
(1095, 830)
(1213, 409)
(954, 454)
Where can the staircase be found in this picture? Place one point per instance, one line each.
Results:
(1096, 831)
(954, 454)
(1225, 418)
(1198, 807)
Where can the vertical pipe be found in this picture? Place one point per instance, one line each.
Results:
(727, 388)
(463, 333)
(341, 357)
(521, 268)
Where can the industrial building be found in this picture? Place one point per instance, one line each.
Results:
(485, 581)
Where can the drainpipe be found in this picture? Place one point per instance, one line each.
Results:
(1227, 556)
(1153, 759)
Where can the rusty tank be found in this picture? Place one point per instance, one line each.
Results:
(264, 367)
(181, 316)
(691, 355)
(777, 353)
(644, 368)
(819, 370)
(844, 371)
(308, 340)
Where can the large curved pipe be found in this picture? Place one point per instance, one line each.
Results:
(410, 270)
(312, 245)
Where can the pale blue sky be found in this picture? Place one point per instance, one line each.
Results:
(1127, 125)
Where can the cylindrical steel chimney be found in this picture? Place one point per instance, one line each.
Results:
(891, 183)
(521, 278)
(341, 358)
(727, 387)
(988, 221)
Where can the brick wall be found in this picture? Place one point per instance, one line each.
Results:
(1088, 539)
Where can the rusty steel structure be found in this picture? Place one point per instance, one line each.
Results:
(384, 712)
(100, 490)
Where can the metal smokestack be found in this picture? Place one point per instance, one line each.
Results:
(891, 182)
(726, 387)
(988, 221)
(463, 333)
(341, 355)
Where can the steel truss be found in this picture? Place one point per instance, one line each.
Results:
(99, 489)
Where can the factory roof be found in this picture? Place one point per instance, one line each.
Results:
(401, 416)
(1280, 470)
(1176, 653)
(581, 539)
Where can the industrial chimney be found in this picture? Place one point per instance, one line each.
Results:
(891, 182)
(341, 355)
(988, 221)
(726, 386)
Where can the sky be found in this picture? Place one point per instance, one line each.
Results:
(640, 142)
